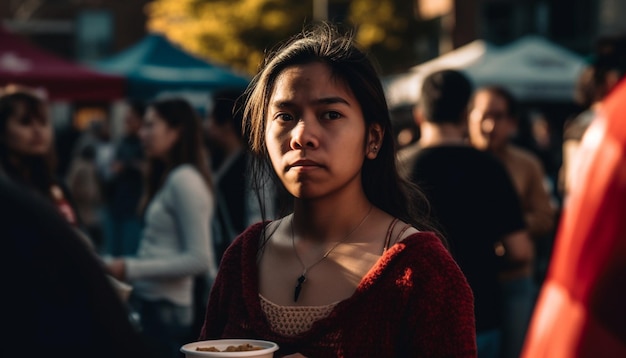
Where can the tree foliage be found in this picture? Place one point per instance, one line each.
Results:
(388, 29)
(237, 32)
(231, 32)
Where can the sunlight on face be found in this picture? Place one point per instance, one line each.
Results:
(490, 124)
(315, 132)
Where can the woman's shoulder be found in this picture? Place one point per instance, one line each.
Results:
(252, 233)
(423, 247)
(185, 175)
(423, 239)
(247, 242)
(183, 171)
(186, 183)
(426, 253)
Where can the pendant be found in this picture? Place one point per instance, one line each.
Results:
(296, 292)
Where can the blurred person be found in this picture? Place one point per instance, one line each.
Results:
(607, 65)
(355, 270)
(84, 185)
(492, 123)
(66, 137)
(27, 156)
(57, 299)
(98, 135)
(580, 312)
(535, 134)
(126, 185)
(230, 158)
(472, 199)
(237, 205)
(27, 153)
(175, 245)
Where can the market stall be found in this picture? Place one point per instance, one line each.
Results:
(25, 64)
(154, 66)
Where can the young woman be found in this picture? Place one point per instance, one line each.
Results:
(27, 154)
(354, 271)
(175, 246)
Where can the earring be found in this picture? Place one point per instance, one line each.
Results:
(374, 148)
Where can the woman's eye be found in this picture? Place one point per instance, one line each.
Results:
(25, 121)
(284, 117)
(332, 115)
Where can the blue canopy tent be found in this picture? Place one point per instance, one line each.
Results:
(154, 66)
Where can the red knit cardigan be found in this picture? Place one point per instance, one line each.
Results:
(414, 302)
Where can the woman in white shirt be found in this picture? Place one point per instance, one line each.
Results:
(175, 246)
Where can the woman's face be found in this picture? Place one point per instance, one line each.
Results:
(28, 134)
(315, 133)
(157, 136)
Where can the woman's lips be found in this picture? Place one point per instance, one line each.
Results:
(37, 142)
(303, 164)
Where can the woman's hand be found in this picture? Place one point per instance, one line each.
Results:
(295, 355)
(117, 268)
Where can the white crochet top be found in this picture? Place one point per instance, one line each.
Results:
(293, 320)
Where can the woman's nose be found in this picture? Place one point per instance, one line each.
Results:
(305, 134)
(39, 128)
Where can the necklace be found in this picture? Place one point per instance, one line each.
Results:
(305, 269)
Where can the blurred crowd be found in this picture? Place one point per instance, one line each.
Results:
(177, 178)
(151, 205)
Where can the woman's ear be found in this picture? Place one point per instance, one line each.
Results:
(374, 140)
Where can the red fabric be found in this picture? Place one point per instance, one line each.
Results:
(24, 64)
(581, 311)
(414, 303)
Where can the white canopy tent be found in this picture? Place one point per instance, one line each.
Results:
(405, 88)
(532, 68)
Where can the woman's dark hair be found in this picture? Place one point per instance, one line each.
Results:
(325, 43)
(37, 172)
(188, 149)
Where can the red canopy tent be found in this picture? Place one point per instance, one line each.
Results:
(24, 64)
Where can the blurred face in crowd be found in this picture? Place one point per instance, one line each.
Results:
(132, 122)
(28, 133)
(157, 136)
(491, 125)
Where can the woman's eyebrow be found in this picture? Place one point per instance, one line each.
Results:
(282, 104)
(325, 100)
(332, 100)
